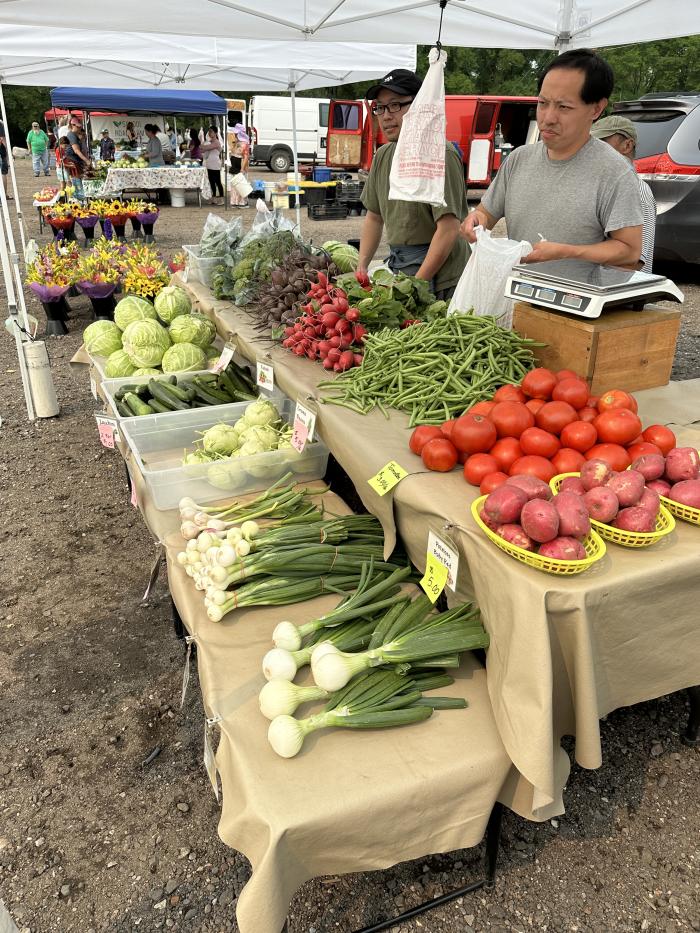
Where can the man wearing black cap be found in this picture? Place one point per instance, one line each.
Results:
(423, 239)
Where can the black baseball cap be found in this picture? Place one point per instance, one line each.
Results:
(400, 81)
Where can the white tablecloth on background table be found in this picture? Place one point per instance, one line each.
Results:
(121, 179)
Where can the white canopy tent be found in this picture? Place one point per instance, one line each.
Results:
(540, 24)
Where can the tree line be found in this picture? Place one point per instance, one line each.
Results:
(642, 68)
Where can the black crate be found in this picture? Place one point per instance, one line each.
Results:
(314, 196)
(349, 190)
(328, 211)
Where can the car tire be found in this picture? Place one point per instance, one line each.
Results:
(280, 161)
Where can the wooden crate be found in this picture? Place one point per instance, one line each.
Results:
(619, 350)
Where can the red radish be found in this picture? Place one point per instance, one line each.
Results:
(352, 314)
(358, 357)
(346, 360)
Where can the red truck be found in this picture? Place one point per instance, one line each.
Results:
(485, 128)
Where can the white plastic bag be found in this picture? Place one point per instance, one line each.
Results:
(418, 167)
(482, 285)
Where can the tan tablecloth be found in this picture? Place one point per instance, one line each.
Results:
(563, 651)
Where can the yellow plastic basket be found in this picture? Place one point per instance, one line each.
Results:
(685, 512)
(665, 523)
(595, 549)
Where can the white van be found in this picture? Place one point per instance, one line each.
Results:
(270, 120)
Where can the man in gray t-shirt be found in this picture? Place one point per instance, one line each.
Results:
(571, 196)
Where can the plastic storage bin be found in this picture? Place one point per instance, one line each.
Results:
(322, 174)
(200, 269)
(159, 449)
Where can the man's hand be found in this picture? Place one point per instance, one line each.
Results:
(469, 224)
(544, 251)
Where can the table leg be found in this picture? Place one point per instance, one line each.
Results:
(692, 731)
(177, 621)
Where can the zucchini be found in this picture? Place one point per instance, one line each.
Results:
(122, 409)
(226, 384)
(165, 397)
(137, 406)
(159, 406)
(184, 394)
(140, 389)
(205, 395)
(223, 397)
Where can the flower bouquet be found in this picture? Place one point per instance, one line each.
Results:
(86, 218)
(116, 213)
(148, 216)
(134, 207)
(146, 274)
(60, 217)
(50, 276)
(178, 262)
(98, 277)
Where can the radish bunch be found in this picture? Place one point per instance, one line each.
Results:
(328, 328)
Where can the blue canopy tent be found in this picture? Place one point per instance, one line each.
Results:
(136, 100)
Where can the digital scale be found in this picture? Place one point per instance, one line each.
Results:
(587, 289)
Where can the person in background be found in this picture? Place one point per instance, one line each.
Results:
(211, 152)
(131, 136)
(165, 144)
(106, 147)
(194, 144)
(38, 145)
(423, 239)
(621, 134)
(4, 161)
(240, 161)
(63, 126)
(84, 142)
(154, 150)
(569, 195)
(76, 158)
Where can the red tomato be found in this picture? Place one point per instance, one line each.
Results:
(422, 434)
(506, 451)
(566, 374)
(446, 427)
(573, 391)
(511, 418)
(617, 426)
(533, 466)
(568, 460)
(539, 443)
(592, 401)
(534, 404)
(539, 383)
(663, 437)
(492, 481)
(481, 408)
(509, 393)
(473, 434)
(462, 458)
(616, 398)
(641, 450)
(614, 455)
(636, 440)
(554, 416)
(579, 435)
(439, 454)
(478, 466)
(587, 414)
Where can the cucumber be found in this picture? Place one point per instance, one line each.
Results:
(137, 406)
(161, 394)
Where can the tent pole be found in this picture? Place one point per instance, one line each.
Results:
(12, 305)
(296, 157)
(224, 120)
(11, 160)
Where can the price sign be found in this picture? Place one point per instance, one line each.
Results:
(385, 480)
(434, 578)
(304, 423)
(265, 376)
(224, 359)
(107, 428)
(446, 555)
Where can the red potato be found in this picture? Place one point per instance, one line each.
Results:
(572, 484)
(601, 503)
(595, 473)
(650, 500)
(488, 521)
(651, 466)
(659, 485)
(573, 515)
(540, 520)
(627, 486)
(682, 463)
(563, 549)
(532, 486)
(635, 519)
(687, 492)
(505, 504)
(514, 534)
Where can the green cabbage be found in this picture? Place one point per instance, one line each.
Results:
(132, 309)
(147, 371)
(172, 302)
(346, 257)
(209, 329)
(191, 328)
(183, 357)
(118, 365)
(145, 342)
(101, 338)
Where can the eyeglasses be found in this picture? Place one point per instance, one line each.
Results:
(395, 106)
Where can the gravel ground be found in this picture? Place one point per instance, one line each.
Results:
(92, 839)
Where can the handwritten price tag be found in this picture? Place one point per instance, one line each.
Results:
(387, 478)
(434, 578)
(446, 555)
(304, 423)
(107, 429)
(265, 376)
(224, 359)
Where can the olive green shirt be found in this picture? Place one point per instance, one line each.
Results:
(410, 223)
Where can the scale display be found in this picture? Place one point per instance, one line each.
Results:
(585, 288)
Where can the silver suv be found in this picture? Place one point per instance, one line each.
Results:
(668, 158)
